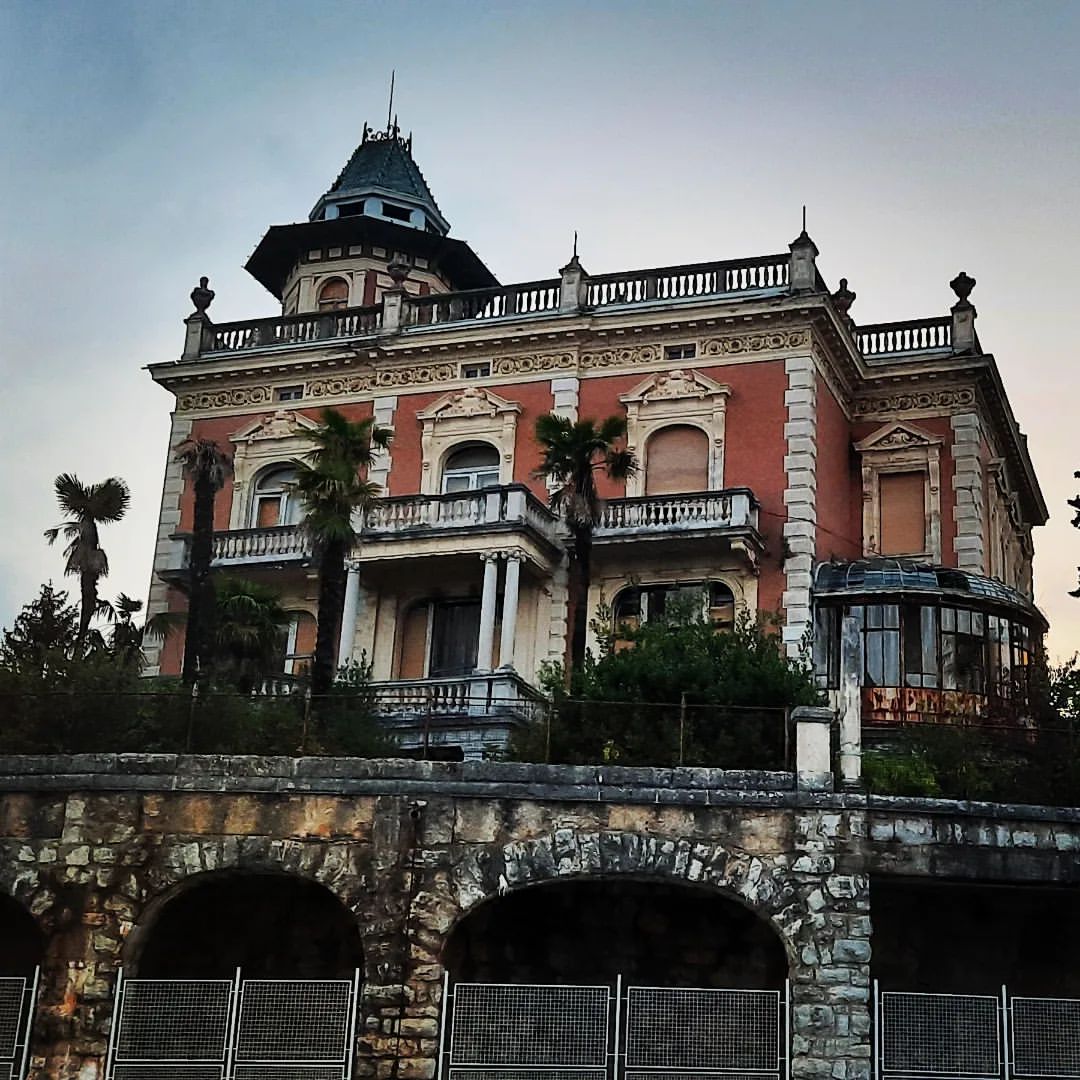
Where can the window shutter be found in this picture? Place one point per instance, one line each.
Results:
(903, 513)
(677, 461)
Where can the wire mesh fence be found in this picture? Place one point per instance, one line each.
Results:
(583, 732)
(17, 999)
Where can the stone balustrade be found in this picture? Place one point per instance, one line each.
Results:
(915, 335)
(735, 508)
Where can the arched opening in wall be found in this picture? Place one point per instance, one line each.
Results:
(963, 938)
(22, 942)
(275, 502)
(677, 461)
(470, 468)
(334, 295)
(272, 926)
(587, 932)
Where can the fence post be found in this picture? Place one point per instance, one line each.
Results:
(813, 750)
(682, 727)
(191, 716)
(306, 722)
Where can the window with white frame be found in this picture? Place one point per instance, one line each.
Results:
(275, 502)
(471, 468)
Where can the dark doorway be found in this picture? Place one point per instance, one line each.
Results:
(22, 944)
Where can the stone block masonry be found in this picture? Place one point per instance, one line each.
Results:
(97, 847)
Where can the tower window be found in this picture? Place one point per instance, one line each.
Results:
(398, 213)
(351, 209)
(334, 295)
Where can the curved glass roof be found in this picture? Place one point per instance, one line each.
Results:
(904, 575)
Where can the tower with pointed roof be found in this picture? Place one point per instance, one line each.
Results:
(378, 213)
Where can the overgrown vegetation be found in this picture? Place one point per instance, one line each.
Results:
(674, 691)
(58, 695)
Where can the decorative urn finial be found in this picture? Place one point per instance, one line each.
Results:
(962, 286)
(202, 296)
(843, 298)
(398, 273)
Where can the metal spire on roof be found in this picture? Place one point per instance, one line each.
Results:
(390, 104)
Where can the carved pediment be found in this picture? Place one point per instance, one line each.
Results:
(675, 385)
(470, 402)
(283, 424)
(898, 436)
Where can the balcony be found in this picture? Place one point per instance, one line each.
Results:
(394, 523)
(733, 511)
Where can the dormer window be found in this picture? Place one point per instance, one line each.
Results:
(398, 213)
(334, 295)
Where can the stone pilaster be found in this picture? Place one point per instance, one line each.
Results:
(564, 397)
(800, 498)
(968, 512)
(168, 553)
(385, 408)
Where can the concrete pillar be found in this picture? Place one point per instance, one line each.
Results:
(510, 610)
(802, 272)
(348, 614)
(813, 747)
(963, 314)
(486, 643)
(193, 335)
(393, 310)
(573, 288)
(851, 666)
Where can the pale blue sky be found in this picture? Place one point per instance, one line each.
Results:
(145, 144)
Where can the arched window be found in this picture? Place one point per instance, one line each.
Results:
(471, 468)
(275, 502)
(334, 294)
(677, 460)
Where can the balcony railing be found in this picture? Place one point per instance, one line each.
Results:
(498, 508)
(915, 335)
(518, 300)
(292, 329)
(283, 543)
(411, 514)
(653, 514)
(684, 282)
(500, 692)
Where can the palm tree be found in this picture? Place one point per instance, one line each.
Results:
(574, 451)
(332, 485)
(247, 630)
(206, 466)
(86, 508)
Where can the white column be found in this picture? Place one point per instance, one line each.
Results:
(485, 645)
(510, 610)
(348, 615)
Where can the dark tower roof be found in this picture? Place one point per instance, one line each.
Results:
(383, 165)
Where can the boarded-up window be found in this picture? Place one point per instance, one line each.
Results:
(334, 295)
(414, 629)
(902, 498)
(677, 460)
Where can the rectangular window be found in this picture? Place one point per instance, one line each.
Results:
(902, 498)
(476, 371)
(963, 650)
(680, 352)
(827, 647)
(268, 514)
(881, 645)
(289, 393)
(920, 645)
(398, 213)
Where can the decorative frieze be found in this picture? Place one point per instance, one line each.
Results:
(755, 343)
(231, 398)
(944, 399)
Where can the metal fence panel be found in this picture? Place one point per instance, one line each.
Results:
(673, 1029)
(17, 995)
(302, 1021)
(521, 1026)
(1045, 1037)
(178, 1020)
(169, 1071)
(940, 1035)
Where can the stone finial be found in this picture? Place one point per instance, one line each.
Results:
(398, 273)
(962, 286)
(843, 298)
(202, 296)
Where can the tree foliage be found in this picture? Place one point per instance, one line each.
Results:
(87, 506)
(574, 451)
(331, 482)
(675, 690)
